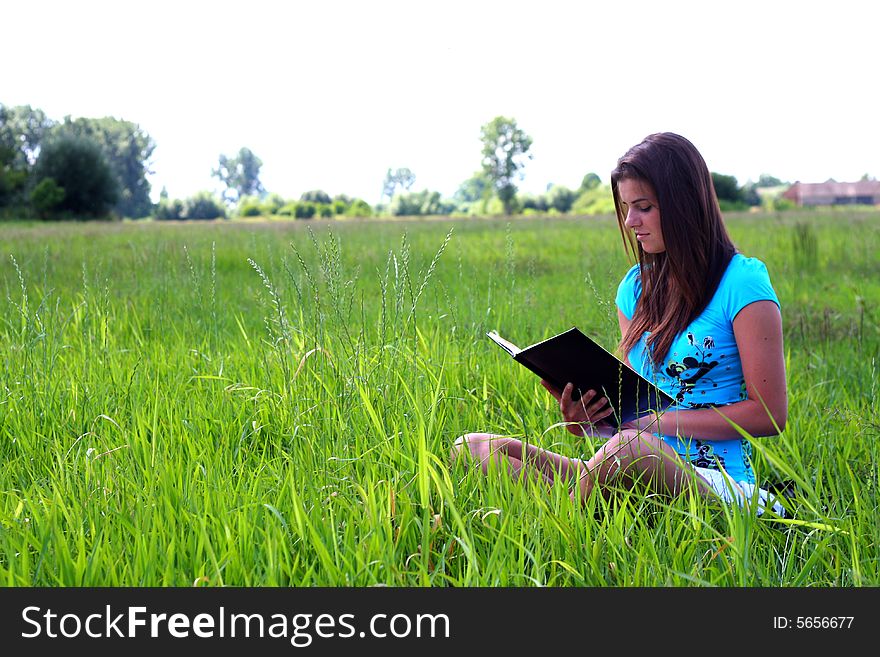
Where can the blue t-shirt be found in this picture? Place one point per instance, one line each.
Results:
(703, 367)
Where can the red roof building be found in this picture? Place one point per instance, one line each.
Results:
(863, 192)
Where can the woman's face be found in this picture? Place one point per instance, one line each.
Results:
(642, 213)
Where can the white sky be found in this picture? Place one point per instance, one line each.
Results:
(331, 93)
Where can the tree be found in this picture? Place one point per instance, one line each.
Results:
(12, 179)
(505, 150)
(749, 195)
(128, 149)
(590, 181)
(402, 178)
(78, 167)
(316, 196)
(240, 174)
(726, 188)
(421, 203)
(561, 198)
(474, 189)
(22, 130)
(766, 180)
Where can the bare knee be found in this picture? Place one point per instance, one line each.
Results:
(639, 454)
(459, 447)
(477, 445)
(626, 452)
(470, 444)
(633, 444)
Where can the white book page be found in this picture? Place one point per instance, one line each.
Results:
(509, 347)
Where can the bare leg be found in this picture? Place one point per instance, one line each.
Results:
(627, 457)
(522, 459)
(636, 455)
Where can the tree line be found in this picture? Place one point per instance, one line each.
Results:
(73, 168)
(97, 168)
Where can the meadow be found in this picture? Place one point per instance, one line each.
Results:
(272, 404)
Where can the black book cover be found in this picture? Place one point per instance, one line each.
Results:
(574, 357)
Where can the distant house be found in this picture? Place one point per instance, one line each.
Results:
(831, 192)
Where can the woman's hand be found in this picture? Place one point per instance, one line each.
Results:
(585, 415)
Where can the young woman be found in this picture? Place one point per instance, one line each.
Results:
(696, 317)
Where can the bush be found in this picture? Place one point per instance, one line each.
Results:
(561, 198)
(46, 197)
(732, 206)
(273, 204)
(250, 210)
(250, 206)
(287, 210)
(537, 204)
(203, 206)
(79, 167)
(304, 210)
(359, 208)
(168, 209)
(494, 208)
(597, 200)
(780, 204)
(473, 209)
(421, 203)
(406, 205)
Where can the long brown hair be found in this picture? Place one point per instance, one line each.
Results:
(678, 283)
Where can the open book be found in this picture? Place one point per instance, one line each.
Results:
(572, 357)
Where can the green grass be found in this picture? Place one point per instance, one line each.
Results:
(267, 405)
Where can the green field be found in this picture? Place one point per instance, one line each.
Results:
(248, 404)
